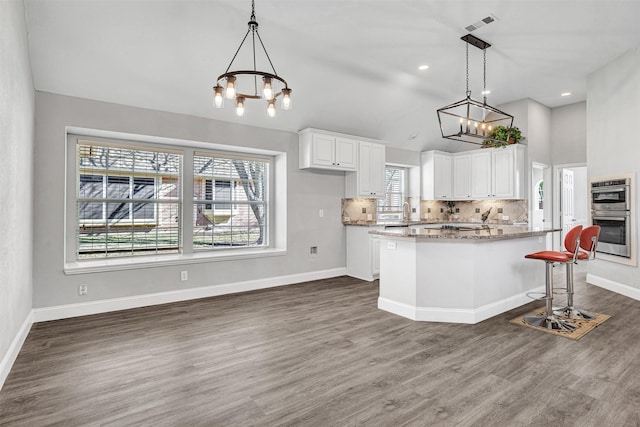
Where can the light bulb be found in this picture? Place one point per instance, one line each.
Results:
(240, 106)
(218, 99)
(271, 108)
(267, 89)
(286, 99)
(231, 87)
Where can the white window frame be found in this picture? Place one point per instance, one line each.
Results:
(277, 213)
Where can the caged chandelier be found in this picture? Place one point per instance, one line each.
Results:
(469, 120)
(269, 80)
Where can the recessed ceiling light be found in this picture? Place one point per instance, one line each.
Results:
(565, 94)
(423, 67)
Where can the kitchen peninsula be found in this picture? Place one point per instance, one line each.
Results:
(459, 274)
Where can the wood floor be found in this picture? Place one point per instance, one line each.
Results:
(322, 354)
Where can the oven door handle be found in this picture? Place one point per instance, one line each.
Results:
(608, 189)
(609, 218)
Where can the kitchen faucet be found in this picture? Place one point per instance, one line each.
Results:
(485, 215)
(406, 210)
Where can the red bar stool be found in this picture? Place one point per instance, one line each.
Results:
(588, 242)
(548, 319)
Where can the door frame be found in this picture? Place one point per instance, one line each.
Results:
(557, 205)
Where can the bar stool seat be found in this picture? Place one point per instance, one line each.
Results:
(548, 319)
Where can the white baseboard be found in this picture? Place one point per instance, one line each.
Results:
(12, 353)
(455, 315)
(610, 285)
(115, 304)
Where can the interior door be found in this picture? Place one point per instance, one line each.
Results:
(568, 202)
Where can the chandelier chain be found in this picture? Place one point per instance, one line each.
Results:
(484, 75)
(468, 70)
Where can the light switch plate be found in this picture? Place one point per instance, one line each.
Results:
(391, 245)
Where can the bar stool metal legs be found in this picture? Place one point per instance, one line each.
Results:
(548, 319)
(570, 311)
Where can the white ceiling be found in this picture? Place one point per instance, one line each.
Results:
(352, 64)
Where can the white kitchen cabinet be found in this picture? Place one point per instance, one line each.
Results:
(490, 173)
(363, 252)
(462, 176)
(371, 158)
(481, 174)
(325, 151)
(503, 179)
(437, 175)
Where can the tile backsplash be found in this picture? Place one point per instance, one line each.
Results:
(472, 210)
(359, 211)
(363, 211)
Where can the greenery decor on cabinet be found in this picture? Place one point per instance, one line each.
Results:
(501, 136)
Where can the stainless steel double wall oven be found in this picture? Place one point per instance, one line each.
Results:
(610, 209)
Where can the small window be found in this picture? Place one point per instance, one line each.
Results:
(390, 207)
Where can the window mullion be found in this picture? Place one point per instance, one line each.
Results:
(187, 193)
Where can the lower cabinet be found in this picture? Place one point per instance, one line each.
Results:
(363, 252)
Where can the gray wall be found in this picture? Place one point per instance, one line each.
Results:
(308, 192)
(16, 159)
(569, 134)
(613, 109)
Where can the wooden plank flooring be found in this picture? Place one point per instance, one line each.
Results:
(322, 354)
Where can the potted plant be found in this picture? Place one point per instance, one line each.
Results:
(501, 136)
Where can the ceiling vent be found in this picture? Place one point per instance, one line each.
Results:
(481, 23)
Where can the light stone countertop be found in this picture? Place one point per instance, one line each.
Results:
(468, 232)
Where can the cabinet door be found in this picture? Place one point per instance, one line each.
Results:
(375, 255)
(443, 175)
(376, 170)
(481, 174)
(322, 150)
(503, 173)
(462, 176)
(371, 170)
(346, 150)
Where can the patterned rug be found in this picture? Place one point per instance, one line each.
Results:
(582, 326)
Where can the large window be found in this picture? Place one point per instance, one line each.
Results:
(230, 201)
(128, 201)
(390, 207)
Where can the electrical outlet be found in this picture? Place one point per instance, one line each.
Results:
(347, 219)
(313, 251)
(499, 210)
(364, 210)
(83, 290)
(184, 275)
(369, 217)
(477, 210)
(321, 213)
(428, 210)
(505, 217)
(413, 210)
(391, 245)
(457, 210)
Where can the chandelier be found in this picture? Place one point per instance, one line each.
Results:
(469, 120)
(234, 79)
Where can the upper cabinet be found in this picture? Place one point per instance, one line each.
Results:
(371, 171)
(325, 151)
(462, 176)
(437, 175)
(368, 181)
(492, 173)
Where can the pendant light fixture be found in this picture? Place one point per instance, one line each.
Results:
(469, 120)
(243, 79)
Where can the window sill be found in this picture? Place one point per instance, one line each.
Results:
(115, 264)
